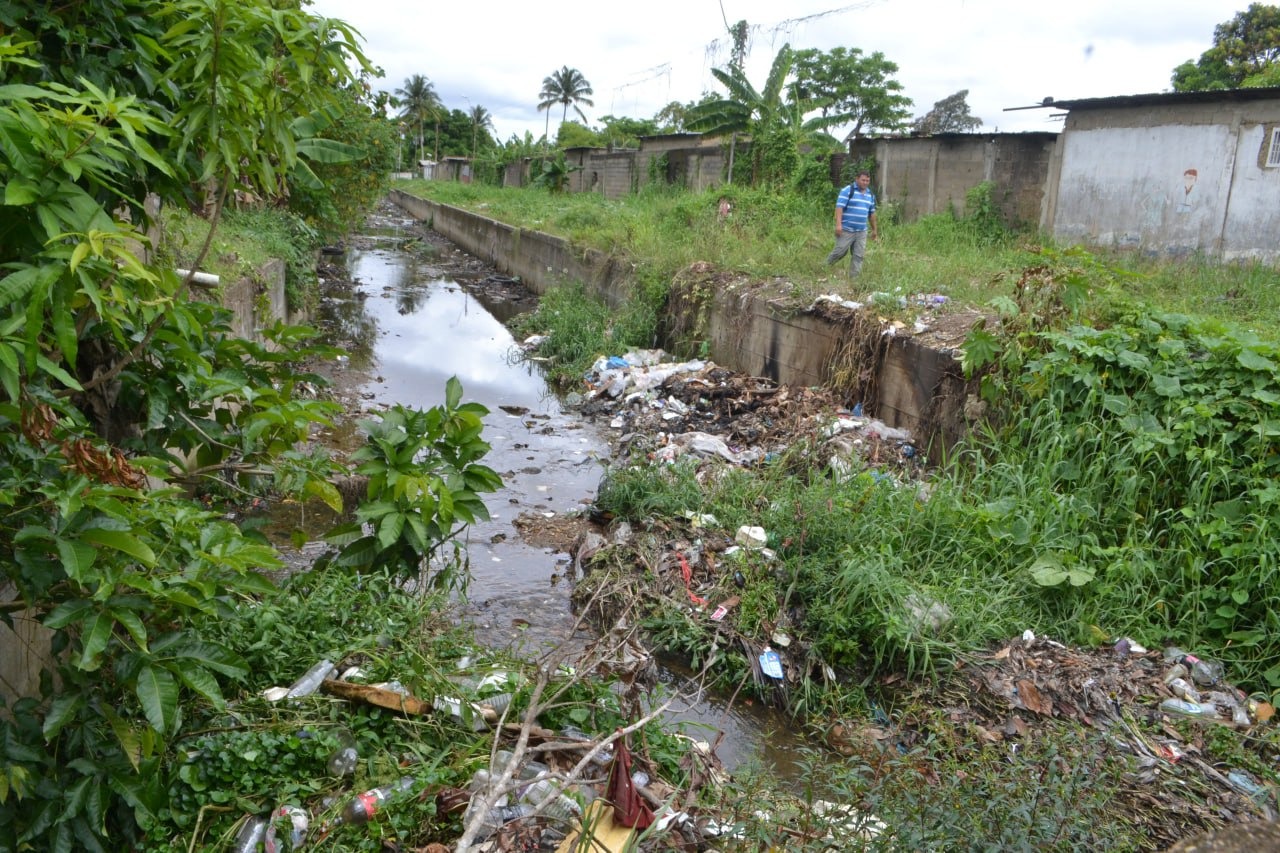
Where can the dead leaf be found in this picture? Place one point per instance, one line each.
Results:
(1033, 700)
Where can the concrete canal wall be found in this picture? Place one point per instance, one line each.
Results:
(910, 385)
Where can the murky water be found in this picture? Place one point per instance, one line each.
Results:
(412, 329)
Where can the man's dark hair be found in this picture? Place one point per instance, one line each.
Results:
(862, 172)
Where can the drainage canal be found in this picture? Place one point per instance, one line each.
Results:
(418, 312)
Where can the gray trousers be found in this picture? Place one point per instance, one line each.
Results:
(854, 243)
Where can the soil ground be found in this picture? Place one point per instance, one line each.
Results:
(1007, 695)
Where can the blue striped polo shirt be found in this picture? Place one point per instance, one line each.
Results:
(857, 205)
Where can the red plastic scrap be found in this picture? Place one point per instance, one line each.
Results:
(688, 580)
(629, 807)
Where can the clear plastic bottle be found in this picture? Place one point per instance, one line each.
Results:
(310, 682)
(1206, 673)
(343, 760)
(1183, 690)
(291, 822)
(528, 770)
(249, 838)
(545, 795)
(1184, 708)
(362, 807)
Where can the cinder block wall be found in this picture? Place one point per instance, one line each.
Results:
(932, 174)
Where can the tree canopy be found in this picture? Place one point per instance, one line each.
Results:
(847, 87)
(950, 115)
(568, 88)
(1245, 52)
(419, 103)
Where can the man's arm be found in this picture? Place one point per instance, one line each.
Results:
(839, 219)
(875, 227)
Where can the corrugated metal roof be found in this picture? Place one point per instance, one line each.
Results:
(1260, 93)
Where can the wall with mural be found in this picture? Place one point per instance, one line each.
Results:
(1170, 180)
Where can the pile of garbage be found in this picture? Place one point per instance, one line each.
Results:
(541, 789)
(666, 410)
(1032, 680)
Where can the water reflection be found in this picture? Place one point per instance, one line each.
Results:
(414, 329)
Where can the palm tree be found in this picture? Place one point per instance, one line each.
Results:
(419, 101)
(480, 120)
(568, 87)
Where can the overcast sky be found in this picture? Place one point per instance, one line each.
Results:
(640, 56)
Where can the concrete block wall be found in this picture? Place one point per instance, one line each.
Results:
(933, 174)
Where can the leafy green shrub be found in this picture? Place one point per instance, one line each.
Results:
(425, 482)
(982, 216)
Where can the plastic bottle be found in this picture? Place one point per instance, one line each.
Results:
(1206, 673)
(545, 795)
(294, 822)
(364, 806)
(1189, 709)
(250, 836)
(343, 760)
(527, 770)
(310, 682)
(1183, 690)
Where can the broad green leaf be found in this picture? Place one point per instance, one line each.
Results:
(97, 633)
(1251, 360)
(126, 736)
(77, 557)
(328, 151)
(19, 191)
(452, 393)
(62, 711)
(133, 624)
(202, 681)
(1167, 386)
(158, 692)
(211, 655)
(66, 613)
(120, 541)
(325, 491)
(1048, 570)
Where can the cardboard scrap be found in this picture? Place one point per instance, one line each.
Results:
(599, 832)
(405, 704)
(374, 696)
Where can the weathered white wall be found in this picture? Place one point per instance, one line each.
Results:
(1123, 181)
(1253, 216)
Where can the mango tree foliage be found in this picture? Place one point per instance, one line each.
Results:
(850, 88)
(1245, 52)
(115, 383)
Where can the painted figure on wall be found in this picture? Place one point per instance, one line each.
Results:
(1188, 184)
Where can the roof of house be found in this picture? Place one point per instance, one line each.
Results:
(1259, 93)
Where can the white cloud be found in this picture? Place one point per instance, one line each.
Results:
(639, 57)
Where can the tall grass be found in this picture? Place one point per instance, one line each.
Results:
(772, 235)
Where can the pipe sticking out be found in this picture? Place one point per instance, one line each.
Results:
(207, 279)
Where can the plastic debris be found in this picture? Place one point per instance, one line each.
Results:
(770, 663)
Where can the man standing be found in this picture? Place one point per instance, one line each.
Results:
(855, 214)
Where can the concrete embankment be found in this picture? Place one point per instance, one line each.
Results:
(745, 326)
